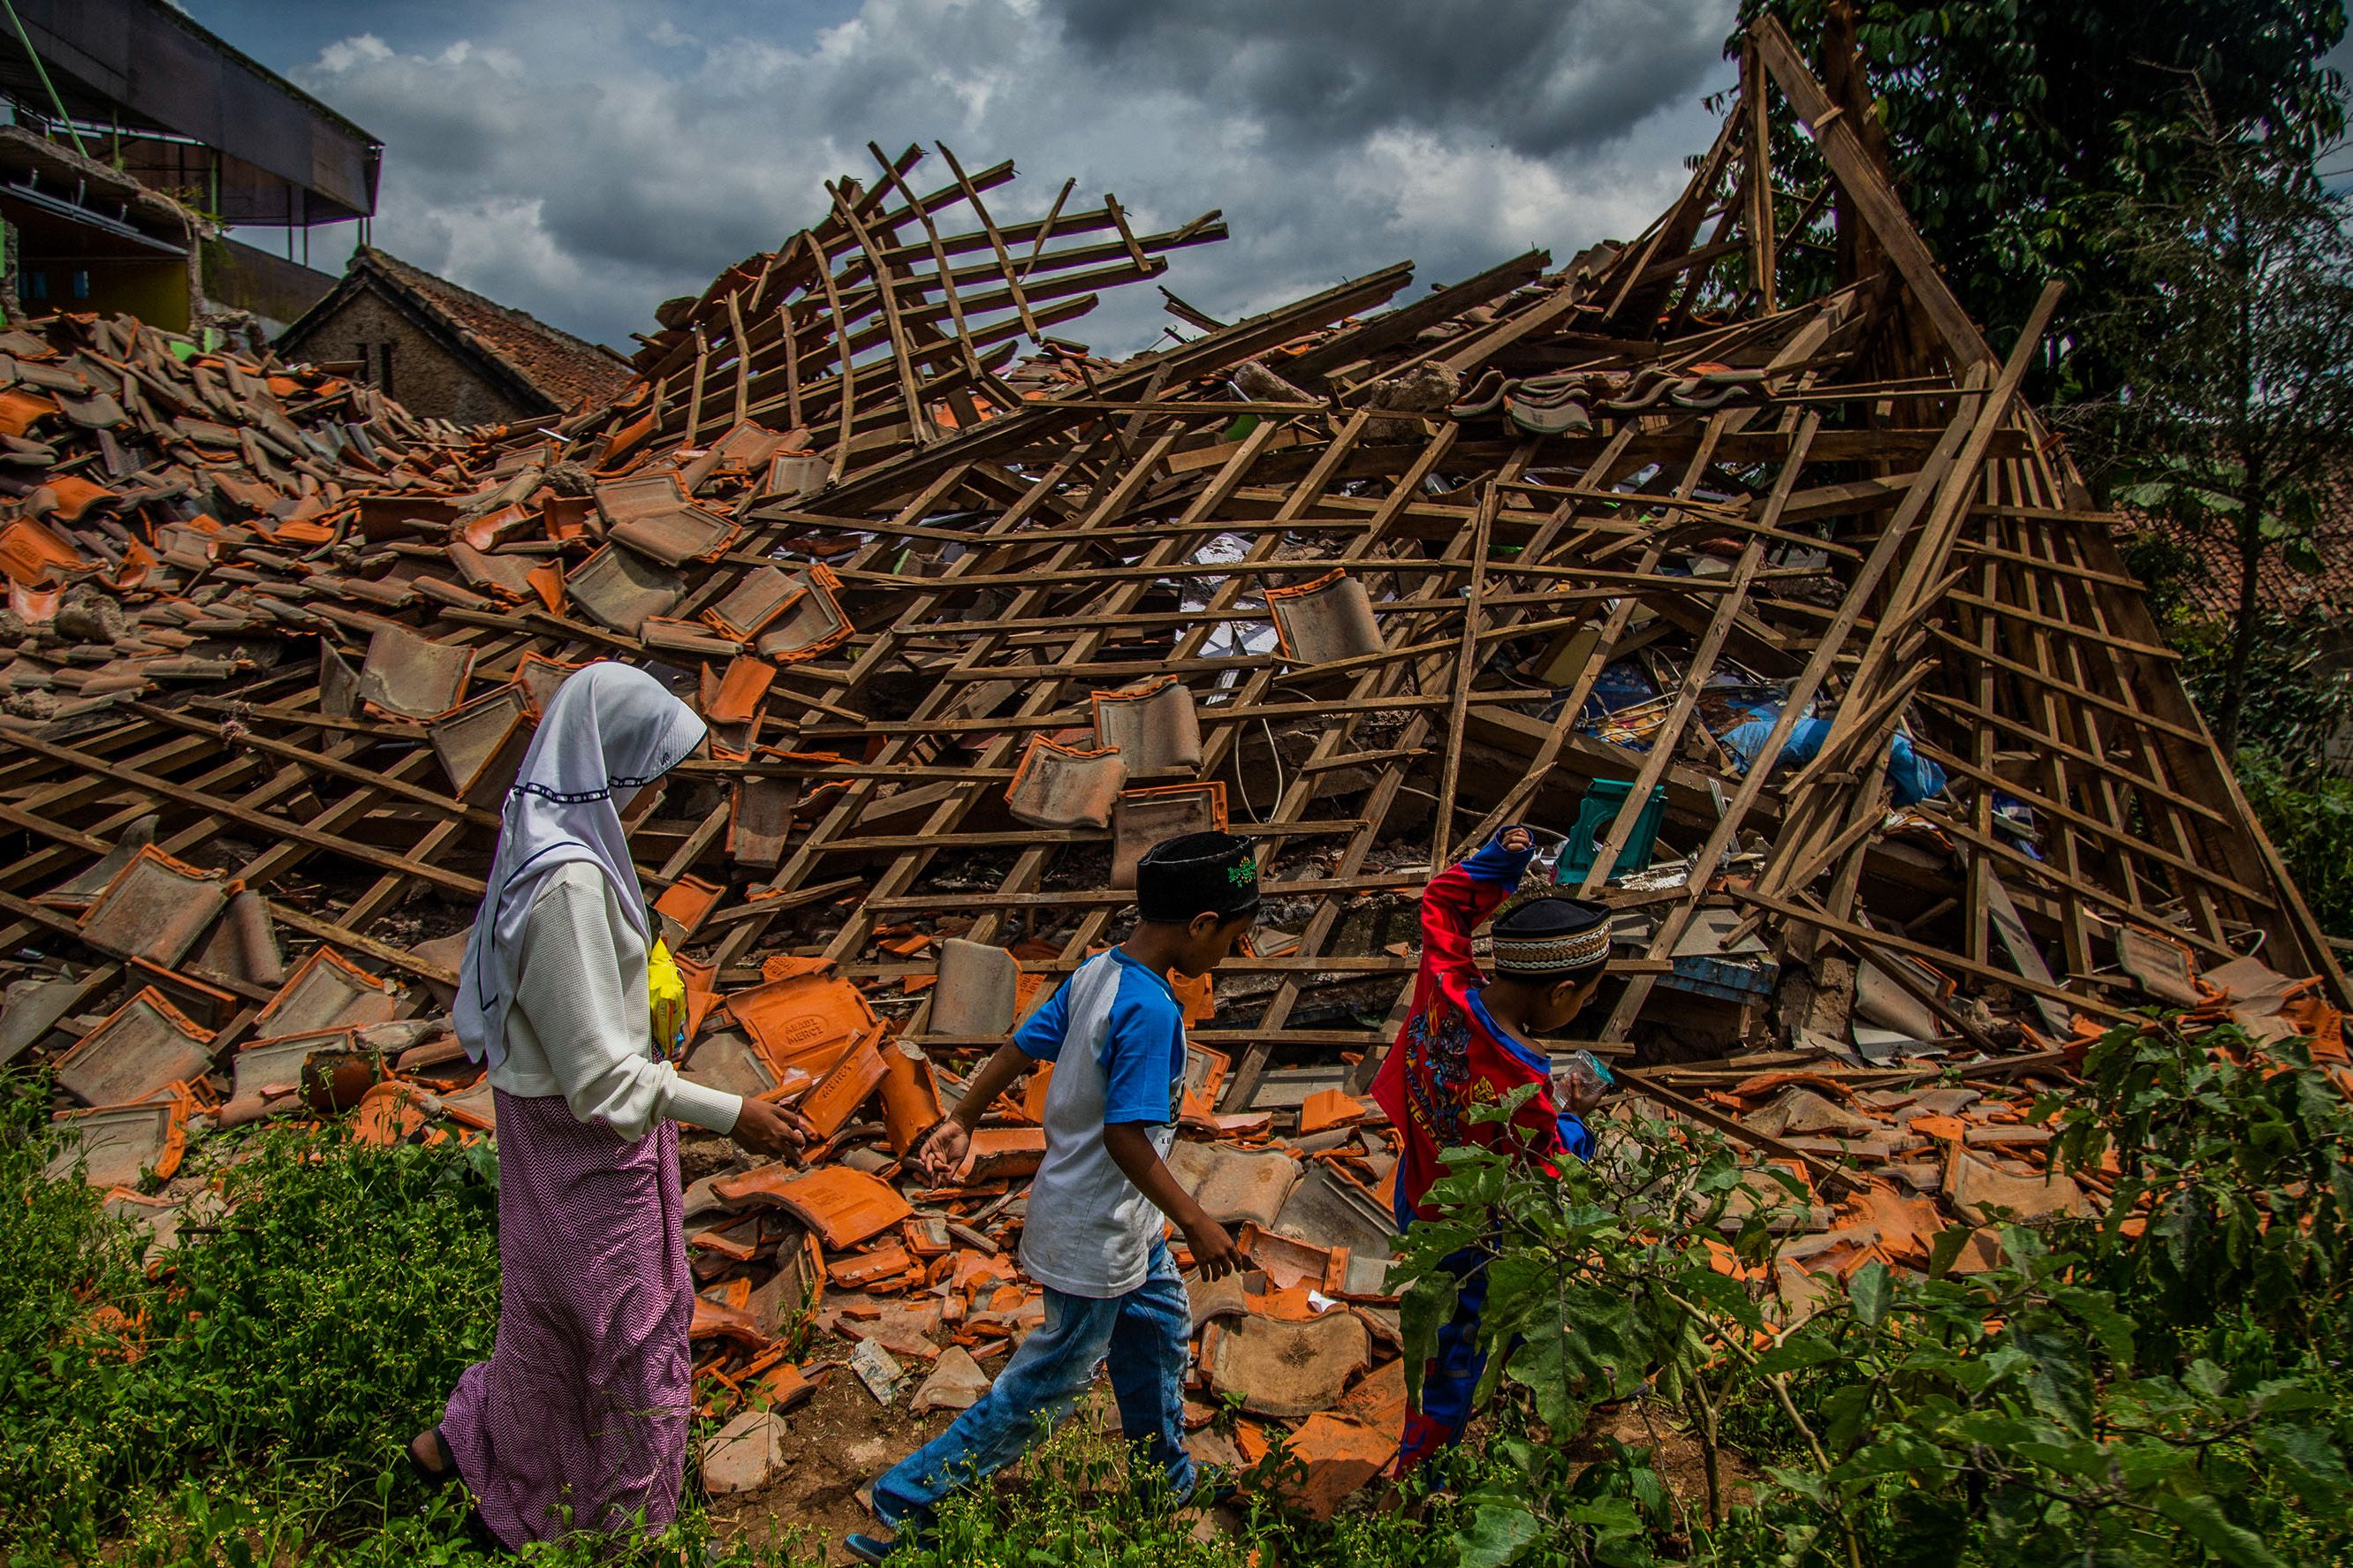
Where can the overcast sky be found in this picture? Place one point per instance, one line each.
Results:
(585, 159)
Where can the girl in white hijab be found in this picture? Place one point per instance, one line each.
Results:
(578, 1420)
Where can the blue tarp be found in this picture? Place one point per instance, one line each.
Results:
(1912, 776)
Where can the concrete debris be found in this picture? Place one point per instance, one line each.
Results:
(956, 1383)
(876, 1370)
(1280, 1367)
(745, 1454)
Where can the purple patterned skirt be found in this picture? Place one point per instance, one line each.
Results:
(578, 1420)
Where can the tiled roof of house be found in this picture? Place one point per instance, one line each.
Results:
(566, 370)
(2211, 585)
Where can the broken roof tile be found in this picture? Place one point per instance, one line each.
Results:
(116, 1144)
(156, 908)
(326, 991)
(1326, 619)
(1327, 1109)
(1340, 1456)
(413, 677)
(1060, 786)
(812, 621)
(272, 1069)
(740, 691)
(760, 820)
(1979, 1189)
(243, 945)
(976, 992)
(911, 1095)
(481, 743)
(647, 495)
(619, 589)
(141, 1049)
(1153, 726)
(79, 890)
(758, 597)
(1291, 1264)
(805, 1019)
(1277, 1367)
(846, 1086)
(541, 678)
(743, 1455)
(726, 1062)
(688, 901)
(1005, 1153)
(675, 538)
(956, 1382)
(842, 1206)
(1236, 1188)
(1143, 817)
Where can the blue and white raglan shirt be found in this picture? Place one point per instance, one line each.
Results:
(1116, 1034)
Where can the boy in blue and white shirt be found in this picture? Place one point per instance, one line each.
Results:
(1116, 1034)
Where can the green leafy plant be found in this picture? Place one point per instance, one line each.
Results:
(1601, 1284)
(2012, 131)
(2106, 1391)
(2233, 1201)
(2227, 330)
(2307, 812)
(1078, 1503)
(295, 1344)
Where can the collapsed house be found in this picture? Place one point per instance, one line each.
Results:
(1746, 578)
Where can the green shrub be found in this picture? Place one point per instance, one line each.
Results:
(329, 1316)
(2172, 1395)
(2308, 815)
(284, 1357)
(2238, 1151)
(64, 1259)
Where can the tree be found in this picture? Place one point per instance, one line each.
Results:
(2230, 334)
(2007, 122)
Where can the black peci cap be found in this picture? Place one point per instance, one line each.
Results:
(1197, 873)
(1549, 936)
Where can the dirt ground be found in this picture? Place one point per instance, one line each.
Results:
(841, 1439)
(833, 1445)
(1677, 1456)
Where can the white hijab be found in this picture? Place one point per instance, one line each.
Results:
(609, 728)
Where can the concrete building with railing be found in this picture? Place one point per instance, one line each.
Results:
(133, 140)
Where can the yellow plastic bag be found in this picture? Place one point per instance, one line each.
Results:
(666, 1000)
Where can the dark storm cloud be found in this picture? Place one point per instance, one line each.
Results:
(1544, 75)
(585, 159)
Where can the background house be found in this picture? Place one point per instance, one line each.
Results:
(446, 351)
(2199, 575)
(132, 137)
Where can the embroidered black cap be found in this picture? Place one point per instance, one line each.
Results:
(1197, 873)
(1548, 937)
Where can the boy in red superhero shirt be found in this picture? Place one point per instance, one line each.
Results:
(1466, 1044)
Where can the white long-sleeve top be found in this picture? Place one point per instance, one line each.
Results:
(579, 1025)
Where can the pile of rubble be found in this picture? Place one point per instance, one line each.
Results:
(121, 451)
(1743, 574)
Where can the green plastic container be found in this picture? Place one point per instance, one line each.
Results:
(1595, 813)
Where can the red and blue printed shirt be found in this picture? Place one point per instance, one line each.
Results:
(1450, 1054)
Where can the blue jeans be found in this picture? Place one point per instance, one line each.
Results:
(1453, 1374)
(1145, 1334)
